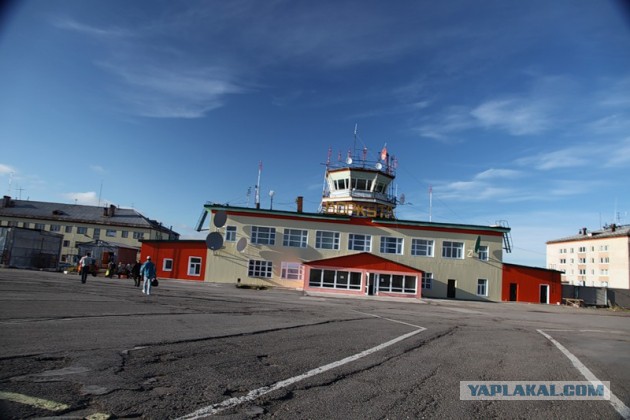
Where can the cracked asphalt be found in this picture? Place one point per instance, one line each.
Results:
(105, 350)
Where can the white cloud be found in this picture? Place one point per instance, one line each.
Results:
(517, 117)
(6, 169)
(97, 168)
(69, 24)
(86, 198)
(498, 174)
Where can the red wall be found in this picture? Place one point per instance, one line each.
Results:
(528, 280)
(179, 252)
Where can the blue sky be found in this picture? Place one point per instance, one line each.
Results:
(510, 110)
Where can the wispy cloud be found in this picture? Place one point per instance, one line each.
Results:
(6, 169)
(87, 198)
(517, 117)
(106, 33)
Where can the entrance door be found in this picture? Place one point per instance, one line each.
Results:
(371, 285)
(513, 290)
(544, 293)
(450, 290)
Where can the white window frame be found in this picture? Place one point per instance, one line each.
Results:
(422, 247)
(482, 287)
(295, 238)
(194, 267)
(483, 253)
(230, 233)
(291, 271)
(391, 245)
(263, 235)
(453, 250)
(260, 269)
(427, 281)
(325, 239)
(165, 264)
(359, 242)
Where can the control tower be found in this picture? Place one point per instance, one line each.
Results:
(356, 186)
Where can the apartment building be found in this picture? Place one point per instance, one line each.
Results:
(599, 258)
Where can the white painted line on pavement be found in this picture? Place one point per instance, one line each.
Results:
(33, 401)
(252, 395)
(617, 404)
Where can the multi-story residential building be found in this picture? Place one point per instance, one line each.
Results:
(599, 258)
(81, 224)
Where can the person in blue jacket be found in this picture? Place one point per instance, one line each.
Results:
(147, 271)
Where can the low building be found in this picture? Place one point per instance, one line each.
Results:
(531, 284)
(79, 224)
(181, 259)
(597, 258)
(29, 248)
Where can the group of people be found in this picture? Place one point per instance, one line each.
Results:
(145, 272)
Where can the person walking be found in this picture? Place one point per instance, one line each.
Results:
(148, 273)
(84, 264)
(135, 273)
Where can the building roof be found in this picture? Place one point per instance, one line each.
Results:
(612, 231)
(77, 213)
(323, 217)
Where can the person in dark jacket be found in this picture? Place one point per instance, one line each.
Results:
(148, 273)
(135, 273)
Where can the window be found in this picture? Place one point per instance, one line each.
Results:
(97, 233)
(582, 249)
(453, 250)
(68, 229)
(263, 235)
(230, 233)
(396, 283)
(360, 242)
(603, 247)
(604, 260)
(194, 266)
(563, 260)
(40, 226)
(341, 184)
(326, 240)
(335, 279)
(111, 233)
(291, 271)
(26, 225)
(138, 235)
(55, 228)
(483, 253)
(391, 245)
(167, 264)
(427, 280)
(258, 268)
(482, 287)
(124, 234)
(603, 272)
(422, 247)
(82, 230)
(582, 271)
(295, 238)
(66, 243)
(582, 261)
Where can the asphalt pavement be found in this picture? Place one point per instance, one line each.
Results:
(194, 350)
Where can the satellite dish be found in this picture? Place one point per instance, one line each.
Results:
(379, 166)
(349, 160)
(214, 241)
(220, 218)
(402, 199)
(241, 244)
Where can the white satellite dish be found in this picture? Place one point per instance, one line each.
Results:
(220, 218)
(349, 160)
(241, 244)
(379, 166)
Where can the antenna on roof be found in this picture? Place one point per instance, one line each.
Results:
(100, 191)
(258, 185)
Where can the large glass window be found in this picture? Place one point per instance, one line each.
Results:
(360, 242)
(194, 266)
(396, 283)
(263, 235)
(422, 247)
(453, 250)
(326, 240)
(391, 245)
(349, 280)
(295, 237)
(291, 271)
(260, 268)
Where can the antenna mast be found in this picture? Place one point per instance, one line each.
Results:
(258, 185)
(430, 202)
